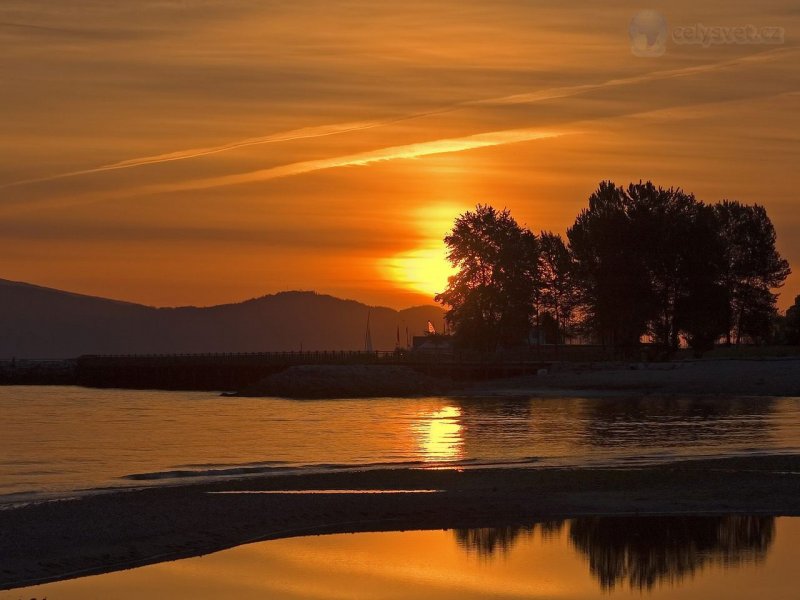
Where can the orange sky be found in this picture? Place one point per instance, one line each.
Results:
(209, 151)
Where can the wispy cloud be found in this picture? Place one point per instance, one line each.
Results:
(575, 90)
(408, 151)
(284, 136)
(347, 127)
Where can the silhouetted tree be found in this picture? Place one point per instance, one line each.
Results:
(492, 294)
(658, 261)
(640, 260)
(752, 268)
(618, 300)
(675, 237)
(792, 323)
(704, 314)
(558, 288)
(701, 310)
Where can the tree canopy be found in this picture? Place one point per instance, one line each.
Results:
(641, 261)
(793, 323)
(491, 296)
(752, 268)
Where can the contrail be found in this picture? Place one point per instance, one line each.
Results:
(401, 152)
(443, 146)
(575, 90)
(285, 136)
(36, 27)
(335, 129)
(418, 150)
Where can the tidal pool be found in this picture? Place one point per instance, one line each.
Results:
(593, 557)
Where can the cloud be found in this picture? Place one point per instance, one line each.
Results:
(294, 134)
(339, 128)
(408, 151)
(569, 91)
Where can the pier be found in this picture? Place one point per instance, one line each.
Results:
(234, 371)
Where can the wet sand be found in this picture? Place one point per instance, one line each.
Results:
(71, 538)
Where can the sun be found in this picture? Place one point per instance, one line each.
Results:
(423, 270)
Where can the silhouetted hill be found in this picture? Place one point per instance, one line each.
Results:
(38, 322)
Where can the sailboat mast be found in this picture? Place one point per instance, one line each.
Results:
(368, 336)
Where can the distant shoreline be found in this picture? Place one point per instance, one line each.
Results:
(742, 377)
(758, 376)
(62, 539)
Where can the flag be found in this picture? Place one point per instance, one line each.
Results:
(431, 328)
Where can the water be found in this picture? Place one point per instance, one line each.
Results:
(60, 439)
(731, 557)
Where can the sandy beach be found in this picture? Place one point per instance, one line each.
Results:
(71, 538)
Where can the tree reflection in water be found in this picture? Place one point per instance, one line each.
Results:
(646, 551)
(679, 422)
(642, 552)
(486, 542)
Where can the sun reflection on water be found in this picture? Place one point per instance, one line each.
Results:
(439, 435)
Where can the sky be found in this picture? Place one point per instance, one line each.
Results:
(175, 152)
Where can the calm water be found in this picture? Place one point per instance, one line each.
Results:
(59, 439)
(700, 558)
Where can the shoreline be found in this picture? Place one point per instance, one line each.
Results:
(741, 376)
(757, 377)
(777, 376)
(56, 540)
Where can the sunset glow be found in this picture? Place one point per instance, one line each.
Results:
(207, 152)
(399, 299)
(424, 269)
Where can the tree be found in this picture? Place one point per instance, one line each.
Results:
(792, 323)
(703, 315)
(491, 296)
(617, 298)
(639, 260)
(658, 261)
(676, 240)
(558, 289)
(752, 268)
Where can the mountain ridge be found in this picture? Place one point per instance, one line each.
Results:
(42, 322)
